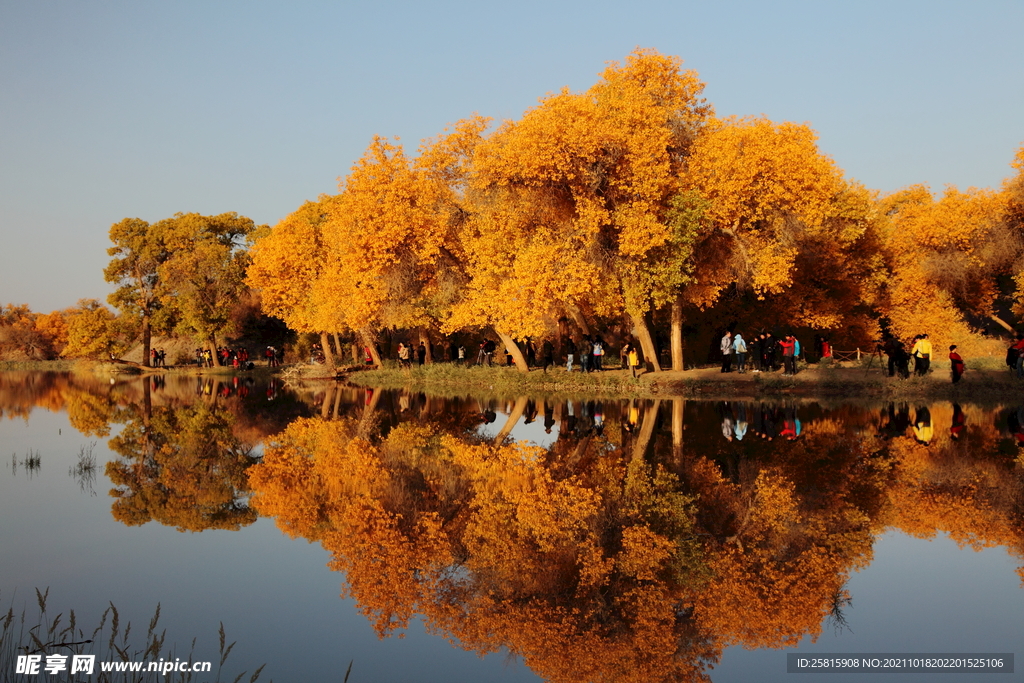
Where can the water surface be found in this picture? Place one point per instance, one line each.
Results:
(633, 540)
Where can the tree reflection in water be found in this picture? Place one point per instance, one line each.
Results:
(184, 444)
(630, 549)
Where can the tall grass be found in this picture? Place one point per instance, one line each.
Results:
(84, 471)
(109, 642)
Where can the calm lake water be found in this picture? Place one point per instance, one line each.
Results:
(421, 538)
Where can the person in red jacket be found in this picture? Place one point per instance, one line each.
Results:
(956, 364)
(1019, 348)
(788, 344)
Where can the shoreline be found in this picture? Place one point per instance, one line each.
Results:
(839, 381)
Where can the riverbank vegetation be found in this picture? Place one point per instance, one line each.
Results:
(629, 212)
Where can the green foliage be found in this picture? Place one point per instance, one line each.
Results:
(204, 276)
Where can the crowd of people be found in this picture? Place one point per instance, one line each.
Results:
(229, 357)
(764, 352)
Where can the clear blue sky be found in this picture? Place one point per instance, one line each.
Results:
(113, 109)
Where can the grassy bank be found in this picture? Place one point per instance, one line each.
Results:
(502, 380)
(44, 365)
(851, 381)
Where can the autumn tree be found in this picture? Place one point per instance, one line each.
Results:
(204, 273)
(390, 255)
(947, 260)
(576, 190)
(370, 278)
(784, 224)
(286, 263)
(138, 252)
(94, 332)
(19, 337)
(1013, 189)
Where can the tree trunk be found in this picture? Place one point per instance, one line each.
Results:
(147, 339)
(367, 337)
(325, 409)
(517, 353)
(646, 430)
(1007, 326)
(337, 401)
(577, 316)
(337, 346)
(677, 334)
(147, 403)
(366, 421)
(211, 344)
(513, 418)
(643, 333)
(325, 342)
(678, 404)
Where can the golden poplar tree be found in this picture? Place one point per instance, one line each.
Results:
(572, 197)
(286, 262)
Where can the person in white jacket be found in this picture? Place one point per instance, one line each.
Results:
(739, 348)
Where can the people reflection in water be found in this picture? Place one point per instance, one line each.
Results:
(568, 425)
(740, 427)
(766, 421)
(549, 416)
(1015, 425)
(896, 420)
(959, 423)
(791, 426)
(727, 420)
(530, 412)
(632, 416)
(923, 432)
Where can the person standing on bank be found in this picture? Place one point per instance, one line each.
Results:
(739, 348)
(1018, 363)
(956, 364)
(547, 354)
(768, 353)
(726, 347)
(788, 345)
(633, 358)
(922, 352)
